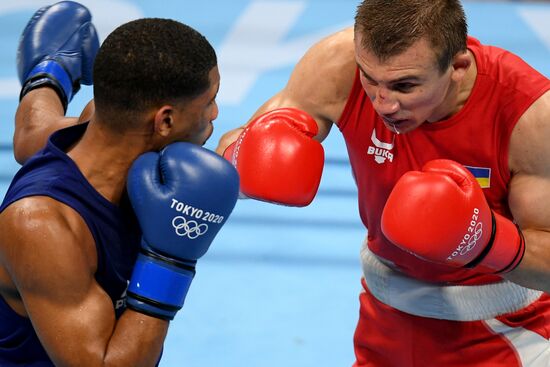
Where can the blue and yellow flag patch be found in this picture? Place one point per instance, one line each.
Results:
(482, 175)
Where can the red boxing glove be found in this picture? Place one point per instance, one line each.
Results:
(440, 214)
(277, 158)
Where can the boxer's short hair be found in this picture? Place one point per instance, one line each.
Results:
(149, 62)
(389, 27)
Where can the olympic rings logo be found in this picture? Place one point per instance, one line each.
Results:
(189, 228)
(472, 239)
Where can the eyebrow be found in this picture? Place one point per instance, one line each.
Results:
(398, 80)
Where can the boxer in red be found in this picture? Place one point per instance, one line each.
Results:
(448, 143)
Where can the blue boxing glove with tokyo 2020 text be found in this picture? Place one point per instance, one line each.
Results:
(182, 196)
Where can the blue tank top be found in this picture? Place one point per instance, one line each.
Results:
(114, 228)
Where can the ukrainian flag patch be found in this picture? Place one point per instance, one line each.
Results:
(482, 175)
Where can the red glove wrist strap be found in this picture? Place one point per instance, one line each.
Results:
(519, 255)
(498, 248)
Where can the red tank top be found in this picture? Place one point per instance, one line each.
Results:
(477, 136)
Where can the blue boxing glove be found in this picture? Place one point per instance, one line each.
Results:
(57, 49)
(181, 196)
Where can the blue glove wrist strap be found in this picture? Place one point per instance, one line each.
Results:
(158, 287)
(49, 72)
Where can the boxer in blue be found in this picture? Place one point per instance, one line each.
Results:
(102, 228)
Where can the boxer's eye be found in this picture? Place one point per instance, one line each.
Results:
(404, 87)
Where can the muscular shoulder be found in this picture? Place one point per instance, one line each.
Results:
(529, 148)
(529, 156)
(44, 238)
(323, 78)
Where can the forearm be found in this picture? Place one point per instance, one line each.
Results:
(39, 114)
(136, 341)
(97, 339)
(534, 270)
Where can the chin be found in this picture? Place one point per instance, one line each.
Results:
(209, 134)
(197, 141)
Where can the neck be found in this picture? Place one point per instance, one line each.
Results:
(104, 158)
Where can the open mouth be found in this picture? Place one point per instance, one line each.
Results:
(394, 124)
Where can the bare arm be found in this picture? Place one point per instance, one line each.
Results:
(39, 114)
(50, 256)
(530, 193)
(319, 85)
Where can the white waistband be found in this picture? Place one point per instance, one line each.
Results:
(448, 302)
